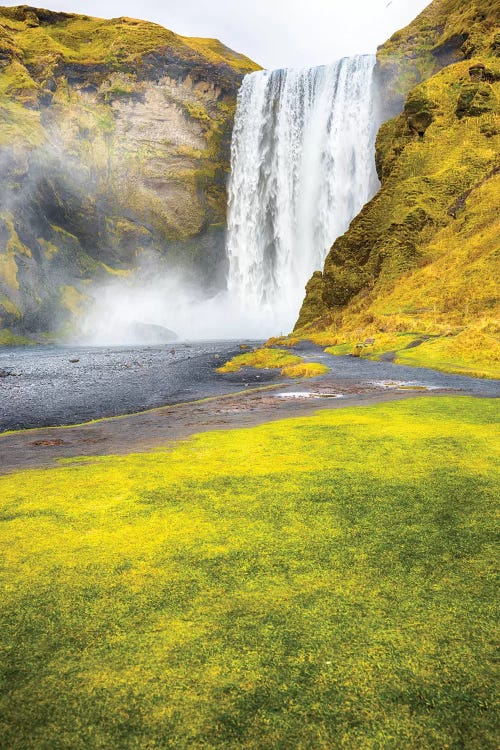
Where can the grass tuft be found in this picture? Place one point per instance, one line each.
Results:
(305, 370)
(291, 365)
(261, 359)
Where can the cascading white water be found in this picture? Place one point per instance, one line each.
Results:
(302, 168)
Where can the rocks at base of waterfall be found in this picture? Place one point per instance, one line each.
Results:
(148, 333)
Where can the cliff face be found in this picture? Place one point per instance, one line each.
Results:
(421, 258)
(114, 145)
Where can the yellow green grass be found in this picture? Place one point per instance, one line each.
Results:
(291, 365)
(261, 359)
(316, 583)
(89, 40)
(304, 370)
(474, 351)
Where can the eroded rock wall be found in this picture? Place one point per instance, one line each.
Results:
(114, 148)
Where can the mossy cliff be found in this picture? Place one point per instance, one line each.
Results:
(420, 261)
(114, 144)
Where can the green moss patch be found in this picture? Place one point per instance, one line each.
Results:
(8, 338)
(291, 365)
(314, 583)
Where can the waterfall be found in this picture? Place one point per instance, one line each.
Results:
(302, 168)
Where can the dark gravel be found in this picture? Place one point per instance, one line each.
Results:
(44, 386)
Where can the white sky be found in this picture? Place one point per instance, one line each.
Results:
(275, 33)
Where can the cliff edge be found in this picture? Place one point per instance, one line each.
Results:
(417, 269)
(114, 146)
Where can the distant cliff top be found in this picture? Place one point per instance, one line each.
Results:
(33, 36)
(446, 32)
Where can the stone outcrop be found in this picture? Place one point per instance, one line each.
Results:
(114, 147)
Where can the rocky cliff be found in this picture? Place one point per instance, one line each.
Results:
(417, 269)
(114, 146)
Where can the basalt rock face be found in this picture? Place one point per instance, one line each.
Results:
(422, 254)
(114, 148)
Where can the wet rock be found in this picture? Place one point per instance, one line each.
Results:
(146, 333)
(490, 129)
(480, 72)
(419, 114)
(475, 100)
(476, 72)
(495, 47)
(450, 49)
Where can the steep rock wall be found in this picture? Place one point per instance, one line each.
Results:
(114, 146)
(421, 256)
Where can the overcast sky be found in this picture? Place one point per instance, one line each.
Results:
(275, 33)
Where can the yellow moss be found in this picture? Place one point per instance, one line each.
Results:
(475, 351)
(16, 81)
(64, 234)
(9, 307)
(216, 51)
(197, 111)
(291, 365)
(261, 359)
(72, 299)
(116, 271)
(14, 245)
(304, 370)
(447, 30)
(89, 40)
(286, 341)
(49, 249)
(191, 153)
(8, 270)
(7, 338)
(19, 125)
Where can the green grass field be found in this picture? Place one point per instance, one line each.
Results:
(318, 583)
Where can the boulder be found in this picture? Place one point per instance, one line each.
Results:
(148, 333)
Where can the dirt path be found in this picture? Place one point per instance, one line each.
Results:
(156, 429)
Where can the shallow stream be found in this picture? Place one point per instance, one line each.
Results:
(46, 385)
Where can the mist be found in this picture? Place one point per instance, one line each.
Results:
(118, 311)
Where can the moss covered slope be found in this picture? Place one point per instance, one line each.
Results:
(421, 259)
(114, 144)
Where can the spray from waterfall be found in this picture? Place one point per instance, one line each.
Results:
(302, 168)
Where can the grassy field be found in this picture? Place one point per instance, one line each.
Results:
(325, 582)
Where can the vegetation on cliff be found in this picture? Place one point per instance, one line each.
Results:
(314, 583)
(418, 267)
(114, 146)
